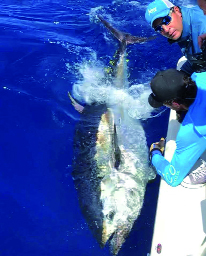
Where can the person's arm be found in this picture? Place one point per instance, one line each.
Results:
(201, 29)
(190, 146)
(202, 5)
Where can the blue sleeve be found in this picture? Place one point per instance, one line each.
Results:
(189, 147)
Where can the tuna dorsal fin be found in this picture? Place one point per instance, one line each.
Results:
(117, 151)
(122, 36)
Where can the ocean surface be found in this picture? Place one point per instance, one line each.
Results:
(44, 45)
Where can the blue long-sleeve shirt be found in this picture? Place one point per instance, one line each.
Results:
(191, 139)
(194, 24)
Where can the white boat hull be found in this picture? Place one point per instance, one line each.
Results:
(180, 224)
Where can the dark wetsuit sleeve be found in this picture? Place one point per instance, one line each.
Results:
(187, 68)
(189, 147)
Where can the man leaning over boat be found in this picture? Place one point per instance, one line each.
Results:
(178, 91)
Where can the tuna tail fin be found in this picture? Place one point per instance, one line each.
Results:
(124, 37)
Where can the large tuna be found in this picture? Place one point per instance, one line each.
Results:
(110, 167)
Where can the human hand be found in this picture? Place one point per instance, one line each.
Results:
(201, 40)
(158, 146)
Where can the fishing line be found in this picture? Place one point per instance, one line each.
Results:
(46, 101)
(196, 187)
(159, 114)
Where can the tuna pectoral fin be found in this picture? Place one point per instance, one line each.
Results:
(124, 37)
(76, 105)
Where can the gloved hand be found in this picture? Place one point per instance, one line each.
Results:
(157, 148)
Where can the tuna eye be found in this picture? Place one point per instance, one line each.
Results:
(110, 216)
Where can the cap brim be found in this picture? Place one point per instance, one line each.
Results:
(160, 15)
(153, 102)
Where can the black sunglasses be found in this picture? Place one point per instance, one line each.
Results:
(165, 21)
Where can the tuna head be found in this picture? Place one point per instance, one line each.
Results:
(122, 193)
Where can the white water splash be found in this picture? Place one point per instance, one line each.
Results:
(96, 87)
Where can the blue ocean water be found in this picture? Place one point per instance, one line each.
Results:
(43, 42)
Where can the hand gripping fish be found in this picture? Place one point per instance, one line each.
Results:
(110, 166)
